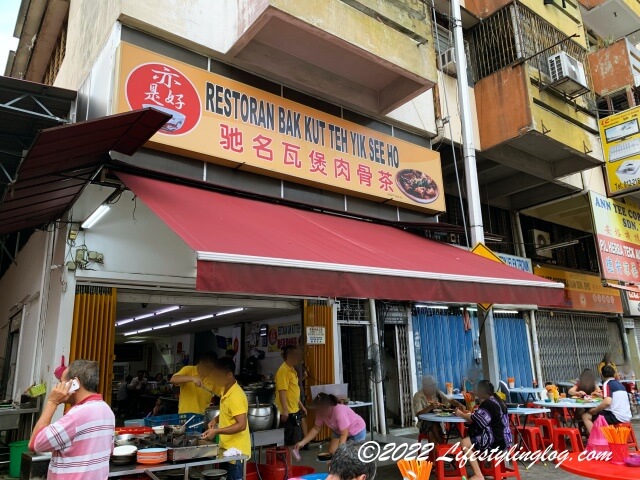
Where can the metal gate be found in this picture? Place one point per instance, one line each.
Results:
(637, 332)
(405, 371)
(569, 343)
(514, 355)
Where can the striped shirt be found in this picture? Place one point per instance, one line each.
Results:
(81, 442)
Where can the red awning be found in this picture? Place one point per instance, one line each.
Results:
(62, 160)
(254, 247)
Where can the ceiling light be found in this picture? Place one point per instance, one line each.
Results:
(506, 311)
(98, 213)
(179, 323)
(134, 341)
(126, 334)
(145, 330)
(167, 310)
(227, 312)
(432, 307)
(204, 317)
(146, 315)
(160, 327)
(123, 322)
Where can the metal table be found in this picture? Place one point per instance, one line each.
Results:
(532, 393)
(435, 418)
(122, 470)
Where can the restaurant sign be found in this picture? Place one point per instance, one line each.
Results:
(519, 263)
(620, 135)
(617, 231)
(583, 292)
(229, 123)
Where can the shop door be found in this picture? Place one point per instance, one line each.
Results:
(354, 340)
(569, 343)
(445, 347)
(514, 355)
(10, 366)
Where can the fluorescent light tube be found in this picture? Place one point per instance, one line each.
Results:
(126, 334)
(204, 317)
(506, 311)
(167, 310)
(160, 327)
(432, 307)
(119, 323)
(99, 212)
(179, 323)
(227, 312)
(134, 341)
(146, 315)
(145, 330)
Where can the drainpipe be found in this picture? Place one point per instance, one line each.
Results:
(438, 116)
(379, 403)
(536, 348)
(520, 247)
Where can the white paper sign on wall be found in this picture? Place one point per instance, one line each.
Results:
(316, 335)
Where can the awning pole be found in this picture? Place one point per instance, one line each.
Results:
(536, 349)
(379, 396)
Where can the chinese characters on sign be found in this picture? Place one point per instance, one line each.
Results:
(617, 231)
(282, 335)
(236, 125)
(583, 292)
(316, 335)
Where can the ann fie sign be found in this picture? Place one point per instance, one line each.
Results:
(232, 124)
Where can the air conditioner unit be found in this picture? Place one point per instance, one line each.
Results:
(541, 239)
(567, 74)
(447, 61)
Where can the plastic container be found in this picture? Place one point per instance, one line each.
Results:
(176, 419)
(315, 476)
(16, 449)
(138, 422)
(619, 453)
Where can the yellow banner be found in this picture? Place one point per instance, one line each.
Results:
(620, 135)
(226, 122)
(583, 291)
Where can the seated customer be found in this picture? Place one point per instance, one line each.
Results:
(425, 401)
(615, 406)
(344, 422)
(586, 385)
(489, 427)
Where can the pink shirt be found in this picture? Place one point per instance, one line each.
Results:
(81, 442)
(342, 418)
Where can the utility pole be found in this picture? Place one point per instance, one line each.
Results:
(487, 332)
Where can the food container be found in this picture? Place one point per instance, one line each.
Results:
(124, 451)
(261, 417)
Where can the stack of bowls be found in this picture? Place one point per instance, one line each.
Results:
(124, 455)
(152, 456)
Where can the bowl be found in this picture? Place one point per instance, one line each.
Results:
(123, 459)
(633, 460)
(324, 457)
(124, 450)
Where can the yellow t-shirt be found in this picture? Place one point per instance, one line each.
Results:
(287, 379)
(234, 403)
(194, 399)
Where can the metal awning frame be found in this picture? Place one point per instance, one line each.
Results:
(43, 112)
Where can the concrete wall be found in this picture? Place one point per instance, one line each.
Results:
(22, 287)
(611, 68)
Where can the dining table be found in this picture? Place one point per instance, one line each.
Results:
(441, 418)
(569, 404)
(598, 469)
(524, 412)
(532, 393)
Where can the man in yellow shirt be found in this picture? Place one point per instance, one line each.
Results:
(288, 396)
(190, 379)
(233, 425)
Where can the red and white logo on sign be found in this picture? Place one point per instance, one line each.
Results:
(168, 90)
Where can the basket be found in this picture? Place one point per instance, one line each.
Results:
(176, 419)
(619, 453)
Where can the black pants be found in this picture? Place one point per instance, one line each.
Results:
(292, 429)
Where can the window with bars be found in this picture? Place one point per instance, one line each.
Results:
(57, 56)
(615, 103)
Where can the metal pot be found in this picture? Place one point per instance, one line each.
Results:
(252, 396)
(210, 413)
(123, 459)
(125, 439)
(261, 417)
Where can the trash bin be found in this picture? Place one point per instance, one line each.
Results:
(16, 449)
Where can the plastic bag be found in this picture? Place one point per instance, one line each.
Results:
(597, 442)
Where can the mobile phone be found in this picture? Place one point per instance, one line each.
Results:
(74, 386)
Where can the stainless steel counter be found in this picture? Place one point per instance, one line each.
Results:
(123, 470)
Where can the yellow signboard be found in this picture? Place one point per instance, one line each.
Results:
(582, 291)
(227, 122)
(620, 135)
(484, 251)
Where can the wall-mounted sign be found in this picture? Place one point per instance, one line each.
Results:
(519, 263)
(633, 302)
(620, 135)
(582, 291)
(229, 123)
(617, 231)
(284, 334)
(316, 335)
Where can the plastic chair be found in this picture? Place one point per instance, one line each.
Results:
(632, 443)
(532, 437)
(573, 434)
(499, 470)
(546, 426)
(457, 470)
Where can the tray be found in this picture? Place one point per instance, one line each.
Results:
(203, 450)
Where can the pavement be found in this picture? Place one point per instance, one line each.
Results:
(389, 471)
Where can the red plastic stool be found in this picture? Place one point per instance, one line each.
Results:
(499, 471)
(546, 426)
(573, 434)
(432, 453)
(457, 472)
(532, 437)
(632, 442)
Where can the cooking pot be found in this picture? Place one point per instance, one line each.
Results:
(209, 414)
(252, 396)
(261, 417)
